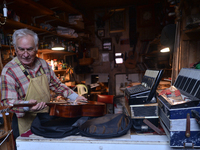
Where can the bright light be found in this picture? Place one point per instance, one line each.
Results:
(57, 48)
(164, 50)
(118, 54)
(118, 60)
(52, 65)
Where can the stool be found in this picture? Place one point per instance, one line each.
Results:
(107, 99)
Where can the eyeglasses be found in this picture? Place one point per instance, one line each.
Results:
(29, 50)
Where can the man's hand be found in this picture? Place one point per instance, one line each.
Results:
(81, 99)
(38, 106)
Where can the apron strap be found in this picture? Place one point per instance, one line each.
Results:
(22, 67)
(24, 70)
(41, 70)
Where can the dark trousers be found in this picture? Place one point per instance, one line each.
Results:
(15, 128)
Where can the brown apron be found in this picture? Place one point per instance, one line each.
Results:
(38, 89)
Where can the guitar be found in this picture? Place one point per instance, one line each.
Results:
(68, 110)
(85, 61)
(130, 63)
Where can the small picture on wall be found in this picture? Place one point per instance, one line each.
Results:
(101, 32)
(107, 44)
(105, 57)
(117, 20)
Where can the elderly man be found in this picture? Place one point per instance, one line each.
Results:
(29, 79)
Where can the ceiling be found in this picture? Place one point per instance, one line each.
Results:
(97, 4)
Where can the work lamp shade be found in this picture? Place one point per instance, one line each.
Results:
(57, 46)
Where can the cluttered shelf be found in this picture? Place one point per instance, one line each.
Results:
(43, 51)
(40, 18)
(14, 24)
(62, 70)
(48, 51)
(191, 34)
(55, 21)
(43, 9)
(193, 30)
(192, 27)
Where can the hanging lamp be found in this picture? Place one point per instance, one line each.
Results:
(57, 46)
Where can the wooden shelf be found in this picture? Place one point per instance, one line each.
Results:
(63, 70)
(48, 51)
(54, 21)
(43, 7)
(44, 51)
(42, 10)
(11, 24)
(32, 13)
(194, 30)
(17, 25)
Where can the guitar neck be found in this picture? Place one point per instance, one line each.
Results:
(33, 104)
(7, 108)
(24, 105)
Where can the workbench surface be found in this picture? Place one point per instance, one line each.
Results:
(77, 142)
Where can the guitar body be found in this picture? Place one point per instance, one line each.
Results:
(67, 110)
(89, 109)
(131, 61)
(93, 109)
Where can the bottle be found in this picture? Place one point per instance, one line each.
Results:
(41, 45)
(69, 47)
(76, 47)
(5, 10)
(46, 45)
(64, 65)
(58, 76)
(9, 36)
(73, 47)
(66, 45)
(55, 64)
(52, 65)
(59, 66)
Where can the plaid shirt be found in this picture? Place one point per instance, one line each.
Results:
(14, 83)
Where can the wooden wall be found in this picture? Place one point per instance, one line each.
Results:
(187, 47)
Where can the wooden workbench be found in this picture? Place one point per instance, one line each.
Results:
(128, 141)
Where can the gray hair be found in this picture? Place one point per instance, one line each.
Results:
(24, 32)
